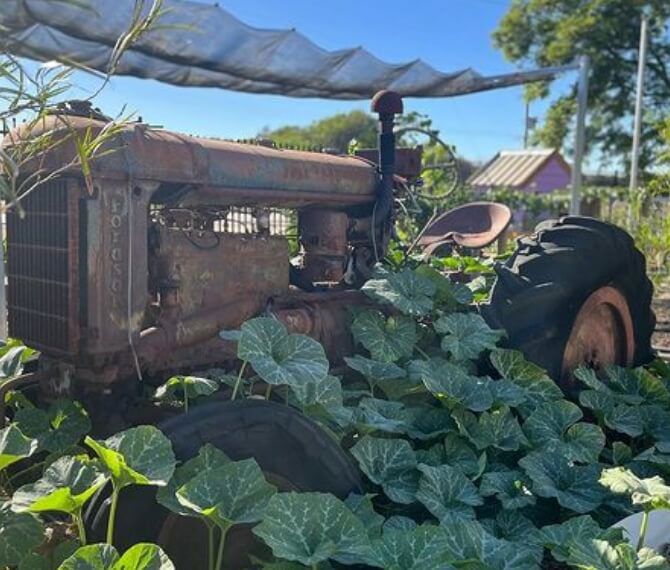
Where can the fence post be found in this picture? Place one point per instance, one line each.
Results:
(582, 101)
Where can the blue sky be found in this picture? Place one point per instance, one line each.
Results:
(448, 34)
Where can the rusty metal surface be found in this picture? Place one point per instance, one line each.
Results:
(407, 160)
(150, 154)
(474, 225)
(323, 235)
(43, 268)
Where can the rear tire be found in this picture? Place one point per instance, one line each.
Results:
(543, 288)
(294, 453)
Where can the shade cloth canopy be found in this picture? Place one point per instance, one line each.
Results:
(202, 45)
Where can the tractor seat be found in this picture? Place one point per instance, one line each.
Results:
(473, 226)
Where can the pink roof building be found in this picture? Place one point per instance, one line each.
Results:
(531, 170)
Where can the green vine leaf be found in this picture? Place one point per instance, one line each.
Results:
(234, 493)
(513, 366)
(60, 427)
(279, 357)
(453, 384)
(12, 359)
(312, 528)
(406, 290)
(466, 335)
(142, 556)
(511, 488)
(190, 386)
(498, 429)
(554, 428)
(208, 458)
(574, 487)
(14, 446)
(390, 463)
(447, 493)
(600, 555)
(414, 548)
(373, 369)
(618, 417)
(387, 339)
(559, 537)
(137, 456)
(448, 295)
(65, 487)
(20, 534)
(361, 506)
(651, 493)
(326, 392)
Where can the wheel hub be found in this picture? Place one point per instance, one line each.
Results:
(602, 334)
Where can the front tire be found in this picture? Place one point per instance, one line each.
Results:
(575, 293)
(294, 453)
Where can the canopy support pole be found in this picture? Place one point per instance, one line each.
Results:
(582, 101)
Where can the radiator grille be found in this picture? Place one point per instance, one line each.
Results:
(42, 256)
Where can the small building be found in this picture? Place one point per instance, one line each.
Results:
(532, 170)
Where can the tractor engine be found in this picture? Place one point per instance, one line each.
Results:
(135, 269)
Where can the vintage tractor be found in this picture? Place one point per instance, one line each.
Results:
(128, 280)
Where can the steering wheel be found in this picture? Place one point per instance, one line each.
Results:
(443, 176)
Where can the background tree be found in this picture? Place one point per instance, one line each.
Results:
(556, 32)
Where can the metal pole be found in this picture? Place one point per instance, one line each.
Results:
(637, 125)
(582, 100)
(525, 126)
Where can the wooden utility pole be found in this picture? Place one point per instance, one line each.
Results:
(637, 126)
(582, 101)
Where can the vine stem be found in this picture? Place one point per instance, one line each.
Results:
(422, 353)
(210, 537)
(643, 529)
(185, 403)
(81, 529)
(112, 515)
(222, 543)
(268, 391)
(239, 380)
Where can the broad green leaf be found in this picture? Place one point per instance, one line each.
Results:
(600, 555)
(12, 360)
(428, 422)
(390, 463)
(361, 506)
(450, 382)
(621, 453)
(651, 493)
(514, 527)
(20, 533)
(553, 428)
(618, 417)
(381, 415)
(311, 528)
(447, 493)
(142, 556)
(92, 557)
(14, 446)
(65, 487)
(399, 522)
(209, 457)
(326, 392)
(417, 548)
(279, 357)
(405, 290)
(511, 488)
(469, 546)
(498, 428)
(559, 537)
(190, 386)
(34, 561)
(513, 366)
(373, 369)
(63, 425)
(574, 487)
(387, 339)
(233, 493)
(140, 455)
(448, 295)
(656, 422)
(466, 335)
(637, 386)
(461, 455)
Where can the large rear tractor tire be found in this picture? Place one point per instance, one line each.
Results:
(294, 453)
(575, 293)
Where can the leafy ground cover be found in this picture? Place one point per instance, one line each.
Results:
(473, 457)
